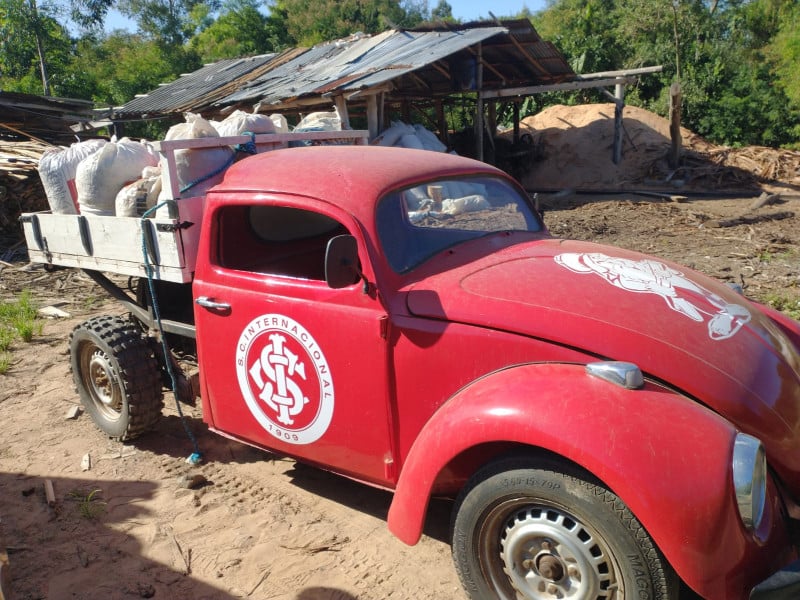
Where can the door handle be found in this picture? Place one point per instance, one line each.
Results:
(207, 302)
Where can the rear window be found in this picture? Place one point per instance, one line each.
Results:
(275, 240)
(417, 222)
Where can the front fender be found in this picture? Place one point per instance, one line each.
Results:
(667, 457)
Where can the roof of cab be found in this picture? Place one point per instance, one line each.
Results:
(344, 175)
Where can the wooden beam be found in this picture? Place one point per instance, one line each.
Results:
(420, 81)
(488, 66)
(442, 70)
(522, 49)
(557, 87)
(622, 73)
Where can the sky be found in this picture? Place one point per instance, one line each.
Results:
(464, 10)
(474, 10)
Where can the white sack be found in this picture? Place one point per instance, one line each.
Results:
(57, 169)
(136, 198)
(391, 136)
(429, 139)
(280, 123)
(194, 165)
(457, 206)
(101, 176)
(239, 122)
(320, 121)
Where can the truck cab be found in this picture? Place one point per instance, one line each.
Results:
(610, 425)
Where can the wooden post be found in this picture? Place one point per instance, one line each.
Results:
(516, 121)
(372, 116)
(341, 108)
(444, 134)
(675, 125)
(619, 104)
(479, 107)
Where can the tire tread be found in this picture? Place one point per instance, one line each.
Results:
(138, 370)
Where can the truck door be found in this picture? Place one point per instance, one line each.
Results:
(286, 362)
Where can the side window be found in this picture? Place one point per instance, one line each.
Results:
(275, 240)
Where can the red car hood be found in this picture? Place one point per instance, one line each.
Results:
(679, 326)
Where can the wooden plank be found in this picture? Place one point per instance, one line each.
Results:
(266, 139)
(116, 243)
(5, 575)
(557, 87)
(49, 493)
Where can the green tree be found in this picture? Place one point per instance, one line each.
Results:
(169, 21)
(784, 51)
(240, 30)
(583, 31)
(310, 22)
(121, 65)
(442, 11)
(33, 46)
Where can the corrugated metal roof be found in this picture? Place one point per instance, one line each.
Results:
(197, 90)
(42, 117)
(421, 63)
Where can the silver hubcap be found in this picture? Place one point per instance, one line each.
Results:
(548, 554)
(99, 380)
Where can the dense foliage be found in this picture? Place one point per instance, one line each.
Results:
(736, 60)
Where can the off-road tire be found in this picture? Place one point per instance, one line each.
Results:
(526, 531)
(116, 375)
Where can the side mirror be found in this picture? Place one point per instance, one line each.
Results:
(341, 262)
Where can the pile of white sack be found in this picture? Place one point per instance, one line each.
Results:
(124, 177)
(409, 136)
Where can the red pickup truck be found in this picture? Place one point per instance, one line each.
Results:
(611, 425)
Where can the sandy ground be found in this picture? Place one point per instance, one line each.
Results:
(262, 526)
(259, 527)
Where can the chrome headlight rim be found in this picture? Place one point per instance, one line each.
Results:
(749, 467)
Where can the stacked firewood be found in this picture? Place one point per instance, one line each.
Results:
(20, 187)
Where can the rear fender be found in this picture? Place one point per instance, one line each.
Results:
(667, 457)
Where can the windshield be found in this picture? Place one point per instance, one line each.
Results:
(417, 222)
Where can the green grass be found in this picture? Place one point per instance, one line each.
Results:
(18, 321)
(90, 503)
(786, 305)
(5, 362)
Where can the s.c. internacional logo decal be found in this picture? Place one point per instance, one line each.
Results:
(285, 379)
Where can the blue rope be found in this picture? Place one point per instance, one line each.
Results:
(196, 457)
(247, 147)
(207, 176)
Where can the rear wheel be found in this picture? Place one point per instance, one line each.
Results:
(117, 376)
(527, 533)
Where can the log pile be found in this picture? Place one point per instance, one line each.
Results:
(766, 164)
(20, 187)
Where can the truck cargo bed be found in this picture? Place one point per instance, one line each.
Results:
(126, 245)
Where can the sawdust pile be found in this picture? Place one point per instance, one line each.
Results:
(575, 144)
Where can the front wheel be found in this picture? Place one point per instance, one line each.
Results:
(117, 376)
(525, 533)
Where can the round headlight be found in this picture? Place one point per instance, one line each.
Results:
(750, 479)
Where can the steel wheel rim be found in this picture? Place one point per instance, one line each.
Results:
(97, 374)
(543, 552)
